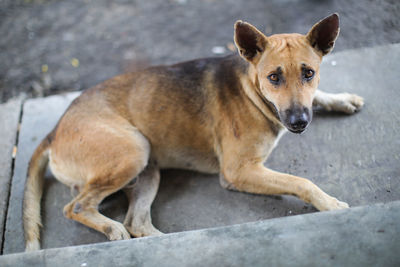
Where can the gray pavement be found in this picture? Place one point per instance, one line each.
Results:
(9, 119)
(39, 117)
(363, 236)
(355, 158)
(110, 37)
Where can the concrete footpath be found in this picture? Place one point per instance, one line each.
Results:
(9, 118)
(354, 158)
(366, 236)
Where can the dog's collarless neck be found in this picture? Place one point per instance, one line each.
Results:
(267, 109)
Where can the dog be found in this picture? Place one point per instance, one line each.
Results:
(217, 115)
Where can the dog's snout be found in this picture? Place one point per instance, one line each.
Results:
(297, 119)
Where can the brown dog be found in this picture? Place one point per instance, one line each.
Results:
(217, 115)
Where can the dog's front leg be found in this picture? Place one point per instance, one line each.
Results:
(141, 195)
(344, 102)
(257, 179)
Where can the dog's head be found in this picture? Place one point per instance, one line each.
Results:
(286, 67)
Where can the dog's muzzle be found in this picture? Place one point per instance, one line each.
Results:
(296, 119)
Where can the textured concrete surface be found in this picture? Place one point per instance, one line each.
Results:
(355, 158)
(9, 119)
(363, 236)
(39, 117)
(110, 37)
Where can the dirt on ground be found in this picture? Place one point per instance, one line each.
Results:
(52, 46)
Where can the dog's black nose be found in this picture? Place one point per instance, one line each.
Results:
(298, 121)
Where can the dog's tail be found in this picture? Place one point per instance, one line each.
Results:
(33, 194)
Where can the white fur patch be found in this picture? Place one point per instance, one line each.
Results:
(278, 137)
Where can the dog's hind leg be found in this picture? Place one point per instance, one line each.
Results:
(344, 102)
(84, 210)
(129, 154)
(141, 195)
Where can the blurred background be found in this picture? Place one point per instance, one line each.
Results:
(53, 46)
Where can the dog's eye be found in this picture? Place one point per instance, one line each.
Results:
(273, 78)
(308, 74)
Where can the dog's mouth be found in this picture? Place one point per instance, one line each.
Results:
(297, 128)
(297, 131)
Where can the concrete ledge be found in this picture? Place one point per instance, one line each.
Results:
(363, 236)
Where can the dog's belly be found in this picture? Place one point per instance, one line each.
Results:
(188, 160)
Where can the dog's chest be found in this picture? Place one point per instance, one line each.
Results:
(188, 159)
(278, 137)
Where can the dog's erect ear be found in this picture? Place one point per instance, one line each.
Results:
(249, 41)
(323, 34)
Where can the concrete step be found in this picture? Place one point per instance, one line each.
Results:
(362, 236)
(354, 158)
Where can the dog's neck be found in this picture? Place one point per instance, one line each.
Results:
(251, 87)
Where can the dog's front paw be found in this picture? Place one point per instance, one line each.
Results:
(347, 103)
(337, 205)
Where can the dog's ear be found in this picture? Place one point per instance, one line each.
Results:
(323, 34)
(249, 41)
